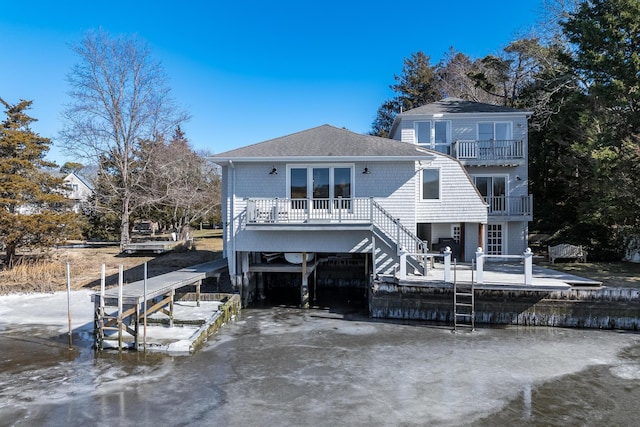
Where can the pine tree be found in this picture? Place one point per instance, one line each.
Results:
(33, 209)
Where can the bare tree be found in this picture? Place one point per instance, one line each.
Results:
(119, 98)
(182, 186)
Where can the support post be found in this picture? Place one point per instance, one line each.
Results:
(103, 280)
(481, 232)
(528, 267)
(304, 288)
(447, 264)
(172, 295)
(120, 308)
(403, 265)
(69, 305)
(479, 266)
(144, 336)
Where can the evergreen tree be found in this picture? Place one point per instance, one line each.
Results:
(33, 210)
(605, 35)
(416, 86)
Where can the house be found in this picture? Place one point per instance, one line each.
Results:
(329, 195)
(78, 190)
(492, 143)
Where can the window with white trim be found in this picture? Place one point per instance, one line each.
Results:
(431, 184)
(321, 183)
(434, 134)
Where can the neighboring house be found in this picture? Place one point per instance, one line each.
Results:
(78, 190)
(492, 143)
(335, 193)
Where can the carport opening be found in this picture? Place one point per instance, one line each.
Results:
(341, 281)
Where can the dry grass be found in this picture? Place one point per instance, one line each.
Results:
(614, 274)
(47, 272)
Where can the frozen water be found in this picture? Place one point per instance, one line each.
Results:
(289, 367)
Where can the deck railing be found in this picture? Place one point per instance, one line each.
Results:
(490, 150)
(332, 211)
(510, 205)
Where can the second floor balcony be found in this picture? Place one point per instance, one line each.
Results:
(490, 153)
(510, 206)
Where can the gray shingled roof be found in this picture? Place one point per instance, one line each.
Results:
(457, 105)
(326, 141)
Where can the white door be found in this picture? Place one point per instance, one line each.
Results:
(495, 239)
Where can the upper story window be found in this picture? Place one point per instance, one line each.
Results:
(434, 134)
(495, 131)
(430, 184)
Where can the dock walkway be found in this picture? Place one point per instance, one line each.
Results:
(119, 311)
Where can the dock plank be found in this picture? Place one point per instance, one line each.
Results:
(133, 293)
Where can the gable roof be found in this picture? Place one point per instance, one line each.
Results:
(457, 105)
(326, 143)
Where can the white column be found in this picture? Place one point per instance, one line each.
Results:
(528, 267)
(479, 265)
(447, 264)
(403, 265)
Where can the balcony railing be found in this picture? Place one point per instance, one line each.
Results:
(510, 205)
(336, 210)
(489, 151)
(331, 211)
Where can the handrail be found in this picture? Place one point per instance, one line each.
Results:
(510, 205)
(404, 238)
(493, 149)
(337, 210)
(527, 257)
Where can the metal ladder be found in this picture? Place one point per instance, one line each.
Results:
(463, 304)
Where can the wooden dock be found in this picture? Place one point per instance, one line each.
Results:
(154, 246)
(119, 311)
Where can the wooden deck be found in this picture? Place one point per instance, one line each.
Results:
(118, 312)
(154, 246)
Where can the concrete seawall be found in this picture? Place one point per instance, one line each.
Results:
(602, 308)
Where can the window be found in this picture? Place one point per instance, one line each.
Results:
(434, 135)
(494, 191)
(456, 232)
(494, 131)
(322, 183)
(430, 184)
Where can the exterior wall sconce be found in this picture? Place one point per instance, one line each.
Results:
(274, 171)
(518, 178)
(366, 171)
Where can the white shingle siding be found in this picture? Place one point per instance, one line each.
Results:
(459, 201)
(408, 135)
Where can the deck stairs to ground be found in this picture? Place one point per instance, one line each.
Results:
(463, 306)
(391, 238)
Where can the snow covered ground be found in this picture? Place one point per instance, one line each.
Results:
(52, 310)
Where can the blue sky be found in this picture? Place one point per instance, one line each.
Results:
(248, 71)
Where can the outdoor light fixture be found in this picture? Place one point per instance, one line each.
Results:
(274, 171)
(366, 170)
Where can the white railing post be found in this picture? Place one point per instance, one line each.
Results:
(403, 265)
(276, 211)
(425, 260)
(479, 265)
(339, 209)
(528, 267)
(371, 210)
(447, 264)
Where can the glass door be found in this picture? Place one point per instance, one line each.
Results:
(494, 191)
